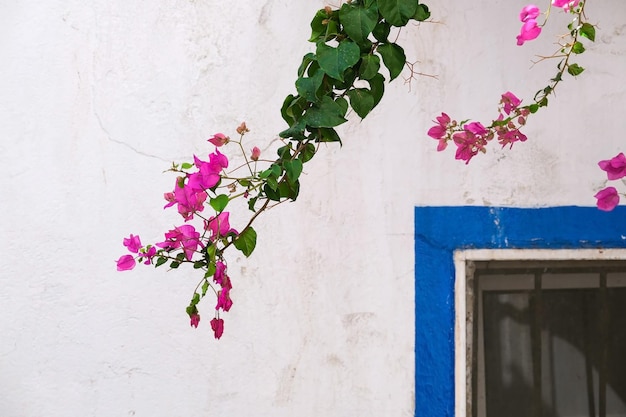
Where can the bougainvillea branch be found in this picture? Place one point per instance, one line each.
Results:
(344, 73)
(472, 138)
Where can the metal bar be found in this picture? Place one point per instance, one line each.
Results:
(536, 306)
(604, 337)
(591, 398)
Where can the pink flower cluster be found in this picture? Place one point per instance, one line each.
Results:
(189, 196)
(530, 29)
(615, 168)
(471, 138)
(528, 16)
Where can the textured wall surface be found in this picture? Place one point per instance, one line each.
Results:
(97, 99)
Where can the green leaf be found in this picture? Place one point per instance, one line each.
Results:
(174, 264)
(292, 108)
(397, 12)
(362, 101)
(381, 31)
(272, 182)
(533, 108)
(160, 261)
(578, 48)
(246, 241)
(186, 165)
(358, 22)
(270, 193)
(328, 135)
(307, 153)
(574, 69)
(295, 131)
(393, 58)
(205, 287)
(289, 190)
(377, 87)
(293, 169)
(422, 13)
(370, 65)
(219, 203)
(326, 113)
(306, 61)
(334, 61)
(588, 31)
(307, 87)
(318, 25)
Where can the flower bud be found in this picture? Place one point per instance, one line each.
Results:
(256, 152)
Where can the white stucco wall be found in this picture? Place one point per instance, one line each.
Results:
(97, 99)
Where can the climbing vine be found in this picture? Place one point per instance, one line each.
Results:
(354, 53)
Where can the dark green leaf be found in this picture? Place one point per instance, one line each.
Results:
(574, 69)
(533, 108)
(246, 241)
(307, 153)
(270, 193)
(588, 31)
(362, 101)
(578, 48)
(306, 61)
(381, 31)
(289, 190)
(198, 264)
(377, 87)
(219, 203)
(397, 12)
(293, 169)
(307, 87)
(318, 25)
(174, 264)
(160, 261)
(295, 131)
(393, 58)
(328, 135)
(422, 13)
(327, 113)
(370, 65)
(334, 61)
(357, 21)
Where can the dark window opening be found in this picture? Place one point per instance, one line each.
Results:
(548, 339)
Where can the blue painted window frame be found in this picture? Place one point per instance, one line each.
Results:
(439, 231)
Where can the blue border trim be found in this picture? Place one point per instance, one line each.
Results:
(441, 230)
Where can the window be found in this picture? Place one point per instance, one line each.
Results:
(545, 337)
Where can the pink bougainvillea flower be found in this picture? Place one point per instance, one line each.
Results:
(219, 139)
(440, 130)
(195, 320)
(615, 167)
(184, 236)
(510, 136)
(566, 5)
(219, 226)
(529, 12)
(223, 299)
(218, 327)
(256, 153)
(509, 102)
(126, 263)
(608, 199)
(133, 243)
(189, 201)
(466, 146)
(530, 30)
(148, 255)
(476, 128)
